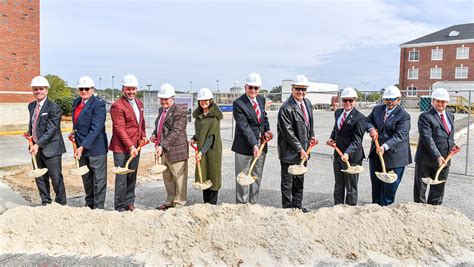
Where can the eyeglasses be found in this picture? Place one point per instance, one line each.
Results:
(39, 89)
(254, 88)
(348, 100)
(82, 89)
(300, 89)
(391, 99)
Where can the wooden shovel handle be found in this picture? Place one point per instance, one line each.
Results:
(30, 144)
(341, 154)
(307, 152)
(142, 144)
(260, 150)
(382, 162)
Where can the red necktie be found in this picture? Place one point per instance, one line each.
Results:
(78, 110)
(257, 110)
(342, 121)
(304, 113)
(160, 127)
(445, 124)
(35, 123)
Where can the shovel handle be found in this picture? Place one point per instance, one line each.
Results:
(30, 144)
(450, 155)
(198, 162)
(341, 154)
(142, 144)
(382, 162)
(260, 150)
(307, 152)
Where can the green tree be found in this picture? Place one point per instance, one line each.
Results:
(374, 97)
(275, 93)
(60, 93)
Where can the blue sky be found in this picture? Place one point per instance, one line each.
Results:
(351, 43)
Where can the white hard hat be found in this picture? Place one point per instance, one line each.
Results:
(300, 80)
(349, 92)
(130, 80)
(204, 94)
(392, 92)
(166, 91)
(254, 79)
(85, 82)
(440, 94)
(39, 81)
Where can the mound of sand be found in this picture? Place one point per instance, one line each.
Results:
(246, 234)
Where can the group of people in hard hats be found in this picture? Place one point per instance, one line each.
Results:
(387, 124)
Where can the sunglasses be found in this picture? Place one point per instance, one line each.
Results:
(254, 88)
(300, 89)
(86, 89)
(348, 100)
(391, 99)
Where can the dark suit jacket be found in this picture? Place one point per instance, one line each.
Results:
(127, 131)
(248, 131)
(293, 133)
(90, 127)
(434, 141)
(173, 138)
(394, 132)
(349, 137)
(50, 138)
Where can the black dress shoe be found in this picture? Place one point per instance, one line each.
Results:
(130, 207)
(304, 210)
(164, 207)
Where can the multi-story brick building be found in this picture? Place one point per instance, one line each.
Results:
(445, 55)
(19, 59)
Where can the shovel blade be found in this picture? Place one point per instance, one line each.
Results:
(297, 169)
(37, 173)
(353, 169)
(202, 186)
(387, 177)
(157, 169)
(244, 179)
(80, 171)
(121, 170)
(428, 180)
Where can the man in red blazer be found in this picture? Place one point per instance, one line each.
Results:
(127, 132)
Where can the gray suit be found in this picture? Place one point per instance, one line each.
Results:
(434, 142)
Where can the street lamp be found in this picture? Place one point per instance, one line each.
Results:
(217, 81)
(149, 87)
(113, 99)
(100, 83)
(191, 82)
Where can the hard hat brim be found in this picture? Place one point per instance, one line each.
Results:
(165, 95)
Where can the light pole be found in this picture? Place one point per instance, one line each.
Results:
(217, 81)
(191, 82)
(100, 83)
(149, 87)
(113, 99)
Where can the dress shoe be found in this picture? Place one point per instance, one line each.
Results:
(304, 210)
(164, 207)
(130, 207)
(121, 210)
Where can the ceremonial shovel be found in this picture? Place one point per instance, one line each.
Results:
(159, 167)
(35, 172)
(350, 169)
(300, 169)
(81, 170)
(428, 180)
(200, 185)
(389, 177)
(125, 170)
(247, 179)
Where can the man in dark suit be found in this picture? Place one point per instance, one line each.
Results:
(436, 128)
(347, 135)
(89, 134)
(128, 131)
(390, 123)
(48, 145)
(171, 143)
(295, 135)
(251, 129)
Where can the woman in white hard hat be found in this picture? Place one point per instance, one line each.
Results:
(208, 139)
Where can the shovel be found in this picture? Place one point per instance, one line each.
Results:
(428, 180)
(159, 167)
(385, 177)
(247, 179)
(350, 169)
(80, 170)
(35, 172)
(125, 170)
(200, 185)
(300, 169)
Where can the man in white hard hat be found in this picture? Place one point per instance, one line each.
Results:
(89, 134)
(48, 145)
(295, 135)
(347, 134)
(390, 123)
(436, 141)
(251, 129)
(171, 143)
(128, 131)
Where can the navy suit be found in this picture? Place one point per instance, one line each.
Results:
(395, 133)
(89, 132)
(434, 142)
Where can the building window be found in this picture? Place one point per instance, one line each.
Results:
(462, 52)
(412, 73)
(411, 91)
(436, 73)
(414, 55)
(437, 54)
(461, 72)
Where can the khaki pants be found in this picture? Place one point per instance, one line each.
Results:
(175, 178)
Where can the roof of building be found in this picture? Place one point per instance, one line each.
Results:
(455, 33)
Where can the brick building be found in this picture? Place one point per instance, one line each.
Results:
(445, 55)
(19, 59)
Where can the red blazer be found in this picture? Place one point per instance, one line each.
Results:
(126, 131)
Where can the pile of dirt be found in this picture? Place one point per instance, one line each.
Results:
(245, 234)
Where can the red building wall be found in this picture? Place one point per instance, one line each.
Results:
(19, 49)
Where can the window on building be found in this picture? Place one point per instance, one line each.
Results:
(436, 73)
(437, 54)
(461, 72)
(411, 91)
(462, 52)
(414, 55)
(412, 73)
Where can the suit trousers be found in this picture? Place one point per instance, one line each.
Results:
(54, 166)
(435, 192)
(175, 179)
(383, 193)
(125, 183)
(248, 193)
(210, 196)
(345, 186)
(95, 181)
(291, 188)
